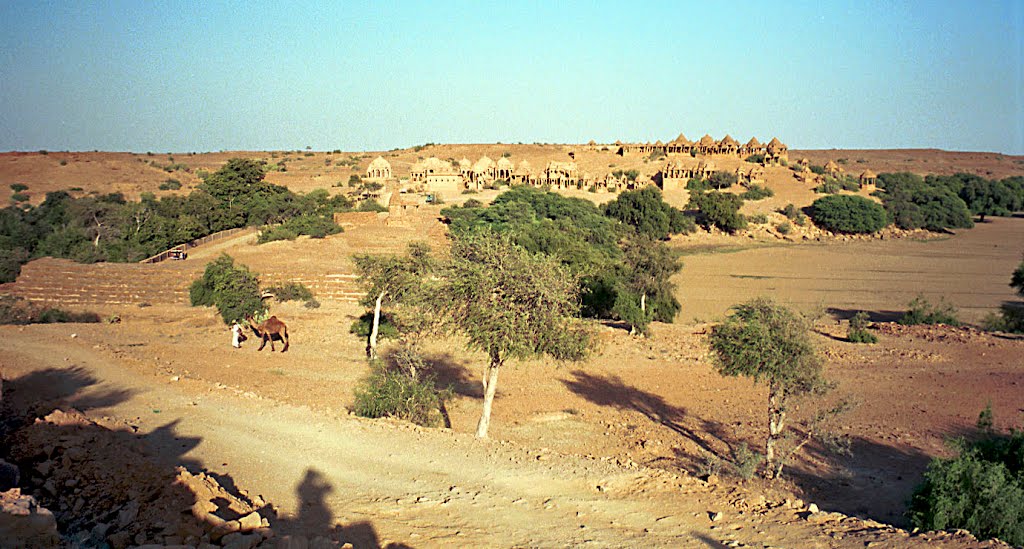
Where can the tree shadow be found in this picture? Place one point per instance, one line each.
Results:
(612, 391)
(447, 371)
(873, 316)
(875, 481)
(314, 520)
(39, 392)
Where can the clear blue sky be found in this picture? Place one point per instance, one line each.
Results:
(202, 76)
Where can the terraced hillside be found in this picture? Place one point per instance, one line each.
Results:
(322, 265)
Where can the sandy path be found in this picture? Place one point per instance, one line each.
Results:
(375, 479)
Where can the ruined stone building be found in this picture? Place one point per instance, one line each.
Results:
(775, 152)
(379, 170)
(434, 174)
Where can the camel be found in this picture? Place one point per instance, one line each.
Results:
(269, 330)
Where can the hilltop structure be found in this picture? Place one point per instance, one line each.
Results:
(775, 152)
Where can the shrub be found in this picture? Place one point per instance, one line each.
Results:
(19, 187)
(293, 291)
(170, 185)
(746, 461)
(858, 332)
(364, 324)
(757, 192)
(722, 179)
(698, 185)
(311, 303)
(758, 218)
(828, 187)
(914, 203)
(19, 197)
(371, 206)
(981, 490)
(15, 310)
(719, 210)
(472, 203)
(1010, 318)
(235, 291)
(391, 392)
(923, 312)
(63, 162)
(755, 158)
(784, 227)
(848, 214)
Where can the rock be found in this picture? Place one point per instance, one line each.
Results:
(239, 540)
(715, 516)
(23, 522)
(128, 514)
(251, 521)
(812, 508)
(10, 476)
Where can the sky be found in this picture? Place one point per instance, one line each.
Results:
(252, 75)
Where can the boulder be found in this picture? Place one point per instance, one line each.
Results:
(24, 523)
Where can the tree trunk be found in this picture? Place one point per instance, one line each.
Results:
(490, 387)
(776, 423)
(643, 303)
(371, 347)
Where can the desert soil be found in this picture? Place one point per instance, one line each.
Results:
(614, 451)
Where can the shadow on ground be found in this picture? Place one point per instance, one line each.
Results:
(710, 436)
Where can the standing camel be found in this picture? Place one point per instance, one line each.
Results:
(269, 330)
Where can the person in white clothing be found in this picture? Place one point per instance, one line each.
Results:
(237, 337)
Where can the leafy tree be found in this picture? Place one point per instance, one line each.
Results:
(769, 343)
(981, 490)
(914, 203)
(235, 291)
(236, 182)
(849, 214)
(646, 212)
(392, 279)
(722, 179)
(648, 293)
(984, 197)
(510, 304)
(720, 210)
(858, 329)
(1017, 279)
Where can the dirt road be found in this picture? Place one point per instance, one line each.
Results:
(378, 482)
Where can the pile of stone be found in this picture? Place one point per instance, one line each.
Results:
(104, 489)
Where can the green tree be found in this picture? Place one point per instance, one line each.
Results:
(508, 303)
(647, 212)
(849, 214)
(720, 210)
(771, 344)
(1017, 279)
(648, 292)
(722, 179)
(984, 197)
(234, 291)
(390, 279)
(237, 182)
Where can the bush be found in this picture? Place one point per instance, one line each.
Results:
(293, 291)
(848, 214)
(316, 226)
(364, 324)
(923, 312)
(759, 219)
(15, 310)
(784, 227)
(698, 185)
(170, 185)
(746, 461)
(1010, 318)
(371, 206)
(755, 158)
(914, 203)
(19, 197)
(235, 291)
(981, 490)
(828, 187)
(390, 392)
(719, 210)
(858, 330)
(722, 180)
(757, 192)
(19, 187)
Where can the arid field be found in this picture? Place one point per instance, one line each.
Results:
(611, 452)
